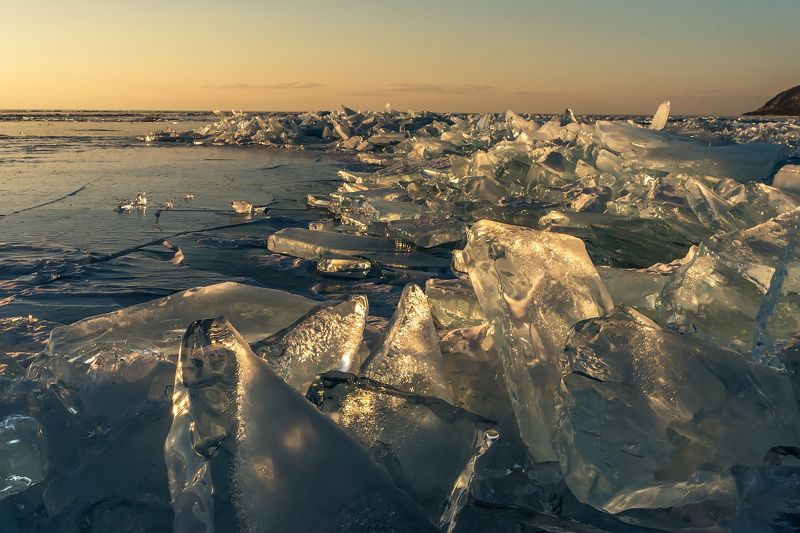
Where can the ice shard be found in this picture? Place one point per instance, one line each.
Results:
(328, 339)
(533, 286)
(428, 232)
(343, 265)
(568, 117)
(241, 207)
(519, 125)
(290, 467)
(409, 356)
(650, 418)
(428, 446)
(661, 116)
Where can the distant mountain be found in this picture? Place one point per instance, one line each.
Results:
(785, 103)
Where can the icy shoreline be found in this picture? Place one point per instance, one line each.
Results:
(612, 346)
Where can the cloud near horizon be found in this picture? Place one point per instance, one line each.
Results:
(427, 88)
(267, 86)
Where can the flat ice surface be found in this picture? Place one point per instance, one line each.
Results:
(77, 257)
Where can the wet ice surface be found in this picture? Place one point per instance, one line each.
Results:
(398, 321)
(77, 257)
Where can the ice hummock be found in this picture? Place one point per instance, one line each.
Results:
(533, 286)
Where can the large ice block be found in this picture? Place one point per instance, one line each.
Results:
(409, 356)
(650, 418)
(290, 467)
(328, 339)
(740, 288)
(788, 179)
(533, 286)
(157, 326)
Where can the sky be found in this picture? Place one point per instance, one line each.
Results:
(709, 57)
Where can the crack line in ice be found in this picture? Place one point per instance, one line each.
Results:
(73, 193)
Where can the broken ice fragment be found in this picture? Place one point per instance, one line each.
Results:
(23, 454)
(740, 288)
(309, 244)
(568, 117)
(241, 207)
(519, 125)
(292, 468)
(386, 211)
(428, 446)
(636, 288)
(533, 286)
(409, 356)
(428, 232)
(334, 264)
(672, 153)
(652, 419)
(328, 339)
(661, 116)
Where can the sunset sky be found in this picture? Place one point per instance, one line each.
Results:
(612, 56)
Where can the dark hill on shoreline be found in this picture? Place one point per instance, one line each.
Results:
(785, 103)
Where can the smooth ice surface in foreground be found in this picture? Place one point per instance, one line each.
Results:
(652, 419)
(157, 326)
(533, 286)
(292, 468)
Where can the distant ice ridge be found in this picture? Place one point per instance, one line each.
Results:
(380, 131)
